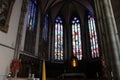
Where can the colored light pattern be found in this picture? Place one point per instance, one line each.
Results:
(76, 38)
(58, 51)
(93, 37)
(31, 15)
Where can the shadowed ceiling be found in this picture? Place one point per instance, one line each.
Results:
(69, 7)
(66, 8)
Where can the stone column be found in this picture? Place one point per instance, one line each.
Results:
(112, 39)
(103, 40)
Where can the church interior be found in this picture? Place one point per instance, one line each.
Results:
(59, 40)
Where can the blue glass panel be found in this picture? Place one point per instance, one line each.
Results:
(30, 38)
(31, 17)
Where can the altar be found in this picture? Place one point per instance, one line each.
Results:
(70, 76)
(23, 79)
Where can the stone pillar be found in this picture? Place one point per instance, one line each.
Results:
(103, 40)
(112, 39)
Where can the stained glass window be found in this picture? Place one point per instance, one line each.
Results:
(58, 49)
(31, 14)
(45, 28)
(76, 38)
(93, 37)
(30, 38)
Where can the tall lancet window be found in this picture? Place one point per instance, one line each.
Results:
(30, 38)
(45, 28)
(76, 38)
(58, 40)
(31, 14)
(93, 37)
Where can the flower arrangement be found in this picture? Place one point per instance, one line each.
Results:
(14, 67)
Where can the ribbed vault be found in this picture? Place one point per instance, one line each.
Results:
(66, 8)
